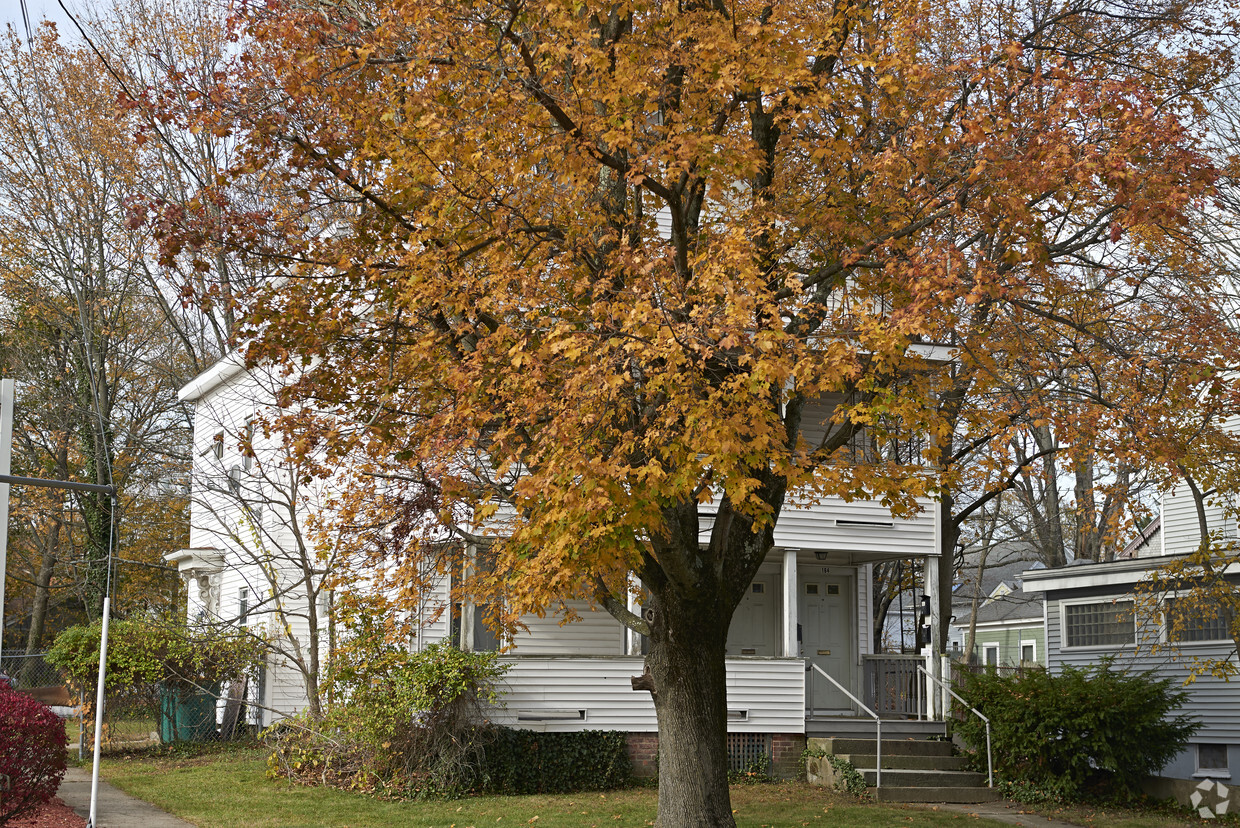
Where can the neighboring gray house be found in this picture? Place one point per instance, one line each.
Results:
(1092, 611)
(1009, 630)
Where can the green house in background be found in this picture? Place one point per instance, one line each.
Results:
(1010, 629)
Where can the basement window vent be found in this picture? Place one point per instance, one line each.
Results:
(867, 524)
(747, 751)
(738, 715)
(551, 715)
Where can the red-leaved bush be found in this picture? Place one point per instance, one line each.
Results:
(32, 754)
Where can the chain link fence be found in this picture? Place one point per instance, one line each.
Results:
(135, 717)
(29, 670)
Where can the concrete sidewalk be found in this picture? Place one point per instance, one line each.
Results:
(116, 809)
(1002, 811)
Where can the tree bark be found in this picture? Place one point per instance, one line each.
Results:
(686, 662)
(42, 588)
(971, 638)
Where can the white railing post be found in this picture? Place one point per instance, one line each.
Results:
(990, 767)
(945, 671)
(878, 725)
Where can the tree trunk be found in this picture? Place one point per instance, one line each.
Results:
(884, 595)
(949, 535)
(686, 663)
(42, 588)
(971, 638)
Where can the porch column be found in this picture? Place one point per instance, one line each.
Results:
(791, 647)
(632, 639)
(467, 606)
(933, 665)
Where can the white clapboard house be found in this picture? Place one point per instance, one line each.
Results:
(810, 604)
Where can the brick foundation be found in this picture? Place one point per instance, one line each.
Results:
(786, 750)
(644, 754)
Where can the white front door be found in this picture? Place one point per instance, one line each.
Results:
(827, 640)
(752, 632)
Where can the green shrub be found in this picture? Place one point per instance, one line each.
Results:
(400, 724)
(145, 653)
(1097, 731)
(527, 762)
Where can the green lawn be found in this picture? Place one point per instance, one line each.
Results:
(227, 786)
(230, 789)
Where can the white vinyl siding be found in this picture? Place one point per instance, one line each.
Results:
(597, 633)
(548, 693)
(860, 528)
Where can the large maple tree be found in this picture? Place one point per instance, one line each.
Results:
(581, 270)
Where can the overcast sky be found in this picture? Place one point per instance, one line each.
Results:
(11, 12)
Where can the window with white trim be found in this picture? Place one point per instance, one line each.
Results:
(1028, 652)
(1189, 622)
(1212, 760)
(1105, 623)
(990, 655)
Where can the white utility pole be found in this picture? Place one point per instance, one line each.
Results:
(6, 458)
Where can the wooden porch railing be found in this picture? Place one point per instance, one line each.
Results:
(891, 686)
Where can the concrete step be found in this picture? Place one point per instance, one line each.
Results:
(961, 795)
(891, 747)
(826, 726)
(901, 778)
(906, 761)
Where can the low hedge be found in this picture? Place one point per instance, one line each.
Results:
(529, 762)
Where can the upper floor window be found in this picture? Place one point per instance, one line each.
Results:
(1099, 624)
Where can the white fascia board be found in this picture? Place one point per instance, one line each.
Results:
(212, 378)
(1092, 575)
(1028, 621)
(933, 352)
(204, 558)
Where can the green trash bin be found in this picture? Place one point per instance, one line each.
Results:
(188, 717)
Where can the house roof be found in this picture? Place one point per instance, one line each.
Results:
(1085, 574)
(1000, 598)
(1147, 542)
(1014, 607)
(1005, 564)
(212, 378)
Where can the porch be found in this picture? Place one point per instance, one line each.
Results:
(765, 695)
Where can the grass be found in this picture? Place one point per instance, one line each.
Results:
(220, 786)
(1107, 816)
(229, 788)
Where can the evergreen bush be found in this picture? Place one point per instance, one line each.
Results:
(32, 753)
(1097, 731)
(528, 762)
